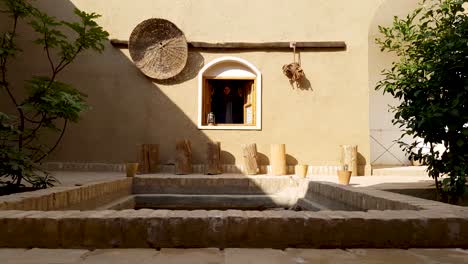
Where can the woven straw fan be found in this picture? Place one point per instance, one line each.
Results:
(158, 48)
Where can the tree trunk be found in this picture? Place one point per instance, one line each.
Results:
(278, 159)
(183, 160)
(213, 152)
(249, 156)
(349, 157)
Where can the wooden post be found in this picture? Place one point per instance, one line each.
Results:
(249, 156)
(153, 157)
(349, 157)
(183, 159)
(278, 159)
(143, 160)
(213, 152)
(148, 158)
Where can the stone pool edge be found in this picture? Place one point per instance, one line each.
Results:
(433, 225)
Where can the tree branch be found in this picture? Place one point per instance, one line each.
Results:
(32, 136)
(436, 176)
(4, 62)
(32, 121)
(56, 143)
(47, 50)
(80, 47)
(60, 68)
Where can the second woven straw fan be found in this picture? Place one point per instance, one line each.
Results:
(158, 48)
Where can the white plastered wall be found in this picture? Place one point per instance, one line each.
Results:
(384, 151)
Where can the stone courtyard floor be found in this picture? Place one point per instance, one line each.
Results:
(239, 256)
(231, 256)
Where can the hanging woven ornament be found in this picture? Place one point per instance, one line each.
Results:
(158, 48)
(293, 70)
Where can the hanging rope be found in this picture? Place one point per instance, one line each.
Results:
(293, 70)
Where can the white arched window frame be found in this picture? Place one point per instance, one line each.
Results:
(230, 68)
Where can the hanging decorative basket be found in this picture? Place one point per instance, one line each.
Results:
(158, 48)
(293, 70)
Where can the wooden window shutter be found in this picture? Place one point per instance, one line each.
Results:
(207, 90)
(249, 105)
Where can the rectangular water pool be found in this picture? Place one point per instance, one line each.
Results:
(224, 202)
(226, 211)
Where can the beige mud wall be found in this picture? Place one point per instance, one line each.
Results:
(130, 109)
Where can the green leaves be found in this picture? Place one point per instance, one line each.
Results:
(55, 99)
(88, 35)
(50, 104)
(8, 129)
(47, 27)
(15, 163)
(42, 181)
(430, 79)
(18, 8)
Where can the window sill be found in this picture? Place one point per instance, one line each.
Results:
(229, 127)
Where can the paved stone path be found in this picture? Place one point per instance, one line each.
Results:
(231, 256)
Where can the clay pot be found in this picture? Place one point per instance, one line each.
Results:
(416, 162)
(344, 177)
(132, 168)
(301, 170)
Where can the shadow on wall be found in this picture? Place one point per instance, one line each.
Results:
(195, 62)
(262, 159)
(290, 160)
(125, 103)
(227, 158)
(361, 159)
(303, 83)
(128, 108)
(362, 163)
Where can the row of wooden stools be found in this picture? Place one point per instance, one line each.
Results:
(149, 158)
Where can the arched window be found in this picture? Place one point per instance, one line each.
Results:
(229, 92)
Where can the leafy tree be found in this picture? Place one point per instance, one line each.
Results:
(431, 81)
(49, 105)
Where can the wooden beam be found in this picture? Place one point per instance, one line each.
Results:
(269, 45)
(341, 45)
(119, 43)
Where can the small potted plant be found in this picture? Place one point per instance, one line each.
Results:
(344, 175)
